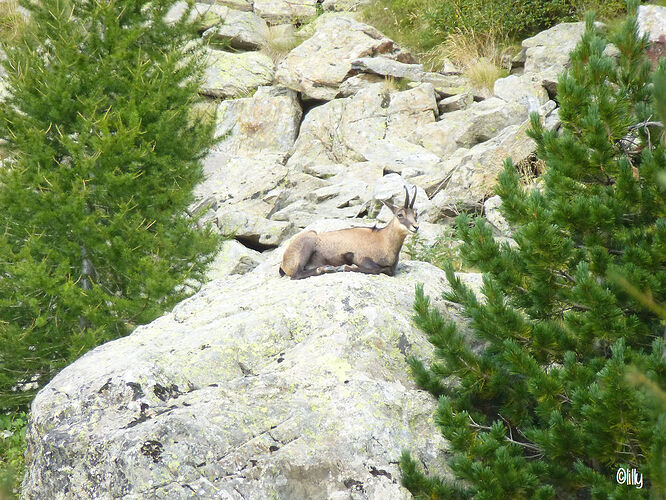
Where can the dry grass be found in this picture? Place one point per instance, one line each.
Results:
(530, 169)
(279, 42)
(11, 21)
(393, 84)
(483, 58)
(483, 73)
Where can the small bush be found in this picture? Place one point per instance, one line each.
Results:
(443, 251)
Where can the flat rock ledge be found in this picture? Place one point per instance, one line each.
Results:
(256, 387)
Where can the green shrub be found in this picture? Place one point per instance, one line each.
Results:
(422, 25)
(12, 447)
(103, 156)
(444, 250)
(570, 385)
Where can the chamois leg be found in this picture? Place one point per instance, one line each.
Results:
(297, 256)
(337, 269)
(369, 266)
(306, 273)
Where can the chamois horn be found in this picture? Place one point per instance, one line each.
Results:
(406, 196)
(413, 198)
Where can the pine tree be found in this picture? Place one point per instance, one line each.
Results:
(551, 407)
(102, 150)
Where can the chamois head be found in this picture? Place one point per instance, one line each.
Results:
(406, 214)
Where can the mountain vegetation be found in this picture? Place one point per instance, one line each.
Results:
(567, 388)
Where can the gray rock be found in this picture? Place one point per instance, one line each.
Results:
(400, 156)
(241, 30)
(455, 103)
(235, 75)
(523, 88)
(256, 387)
(357, 128)
(233, 180)
(267, 122)
(449, 84)
(468, 127)
(233, 258)
(349, 192)
(464, 180)
(244, 5)
(448, 68)
(549, 50)
(281, 11)
(302, 213)
(324, 170)
(319, 65)
(494, 217)
(652, 21)
(343, 5)
(252, 230)
(388, 67)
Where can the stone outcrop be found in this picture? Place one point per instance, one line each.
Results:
(261, 387)
(266, 123)
(241, 30)
(473, 125)
(233, 75)
(545, 55)
(280, 11)
(350, 129)
(652, 21)
(317, 67)
(256, 387)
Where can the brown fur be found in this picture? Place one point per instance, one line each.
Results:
(367, 250)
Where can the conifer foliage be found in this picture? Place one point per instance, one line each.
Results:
(101, 152)
(550, 407)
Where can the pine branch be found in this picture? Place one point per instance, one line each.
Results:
(646, 124)
(509, 439)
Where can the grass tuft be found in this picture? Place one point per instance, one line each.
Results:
(279, 42)
(12, 22)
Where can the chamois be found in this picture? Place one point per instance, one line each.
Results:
(359, 249)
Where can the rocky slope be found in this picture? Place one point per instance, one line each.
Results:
(261, 387)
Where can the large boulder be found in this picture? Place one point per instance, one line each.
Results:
(234, 75)
(286, 11)
(319, 65)
(356, 128)
(241, 180)
(465, 128)
(233, 258)
(343, 5)
(652, 21)
(388, 67)
(549, 50)
(253, 231)
(244, 5)
(240, 30)
(526, 89)
(267, 122)
(463, 181)
(256, 387)
(546, 55)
